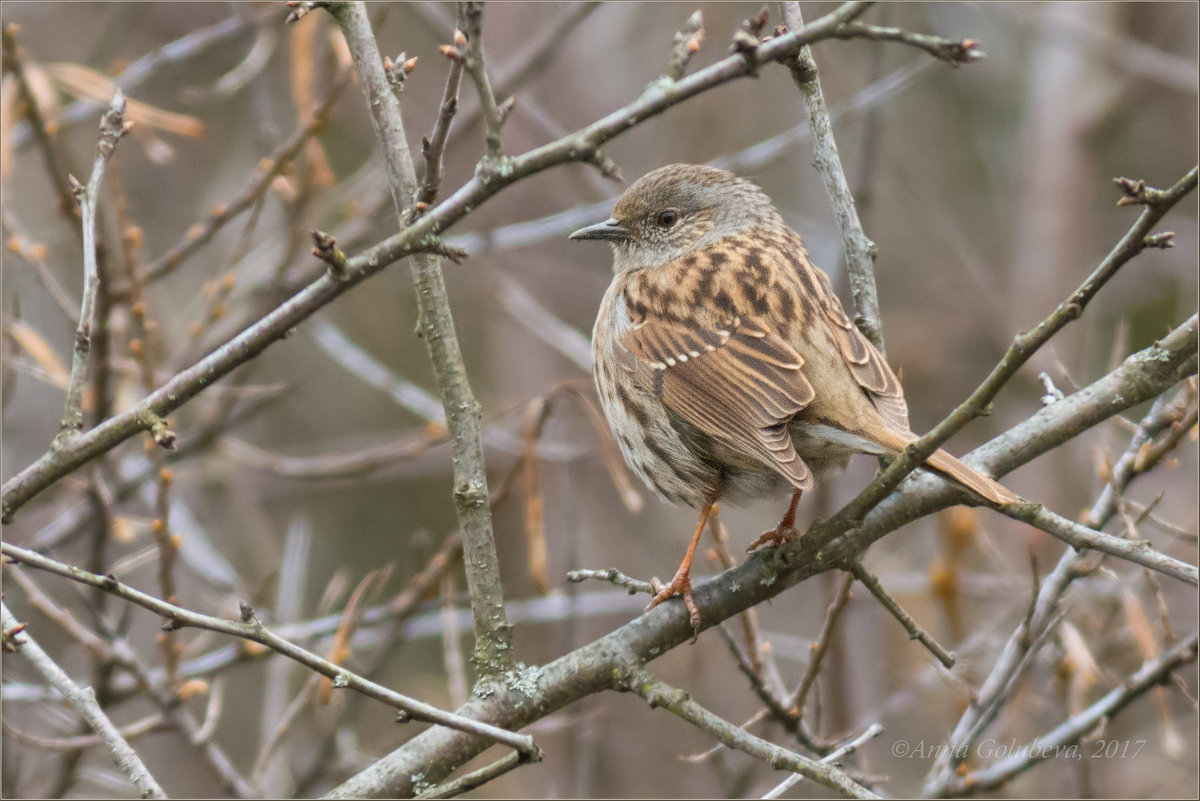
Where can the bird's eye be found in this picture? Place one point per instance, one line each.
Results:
(667, 218)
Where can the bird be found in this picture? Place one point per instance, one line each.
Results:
(726, 366)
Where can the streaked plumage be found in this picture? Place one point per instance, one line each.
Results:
(725, 363)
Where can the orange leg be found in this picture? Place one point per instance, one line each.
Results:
(785, 531)
(681, 585)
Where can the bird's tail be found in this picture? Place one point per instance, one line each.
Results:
(987, 488)
(942, 462)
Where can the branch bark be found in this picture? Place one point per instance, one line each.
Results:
(493, 633)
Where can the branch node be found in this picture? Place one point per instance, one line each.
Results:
(326, 250)
(687, 44)
(1137, 193)
(1162, 241)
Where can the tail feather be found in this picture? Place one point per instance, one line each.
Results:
(987, 488)
(942, 462)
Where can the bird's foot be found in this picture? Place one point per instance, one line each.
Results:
(681, 587)
(776, 536)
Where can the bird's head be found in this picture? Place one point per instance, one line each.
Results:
(672, 211)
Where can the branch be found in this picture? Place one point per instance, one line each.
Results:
(954, 53)
(116, 651)
(434, 147)
(1022, 348)
(766, 574)
(84, 701)
(833, 757)
(1077, 727)
(251, 629)
(475, 66)
(112, 128)
(419, 237)
(858, 249)
(821, 645)
(1081, 537)
(915, 632)
(493, 633)
(677, 702)
(1023, 643)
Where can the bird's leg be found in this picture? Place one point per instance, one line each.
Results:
(785, 531)
(681, 585)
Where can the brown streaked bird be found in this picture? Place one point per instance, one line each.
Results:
(726, 365)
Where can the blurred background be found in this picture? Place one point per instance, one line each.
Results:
(319, 467)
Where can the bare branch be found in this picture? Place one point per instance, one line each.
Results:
(84, 701)
(859, 250)
(658, 694)
(493, 634)
(915, 632)
(1022, 348)
(251, 629)
(1056, 741)
(112, 128)
(582, 146)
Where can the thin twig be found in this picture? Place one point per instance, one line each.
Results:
(1081, 537)
(477, 778)
(251, 629)
(658, 694)
(1058, 741)
(915, 632)
(840, 598)
(84, 701)
(476, 68)
(953, 52)
(859, 250)
(434, 147)
(832, 758)
(112, 128)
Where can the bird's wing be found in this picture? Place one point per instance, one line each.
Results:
(869, 367)
(739, 384)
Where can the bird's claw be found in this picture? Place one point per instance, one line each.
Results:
(681, 587)
(774, 537)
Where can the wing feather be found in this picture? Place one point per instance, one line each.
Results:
(740, 386)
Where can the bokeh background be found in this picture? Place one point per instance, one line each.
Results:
(987, 188)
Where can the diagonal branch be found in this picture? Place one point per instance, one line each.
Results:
(1023, 347)
(249, 628)
(1058, 741)
(593, 667)
(84, 701)
(659, 694)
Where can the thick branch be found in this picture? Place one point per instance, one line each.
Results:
(594, 667)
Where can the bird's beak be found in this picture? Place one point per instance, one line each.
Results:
(610, 230)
